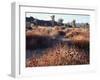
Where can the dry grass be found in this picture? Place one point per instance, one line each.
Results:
(44, 31)
(79, 37)
(60, 53)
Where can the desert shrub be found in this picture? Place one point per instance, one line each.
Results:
(61, 33)
(79, 37)
(82, 44)
(54, 33)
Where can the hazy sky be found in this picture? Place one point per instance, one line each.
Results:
(65, 17)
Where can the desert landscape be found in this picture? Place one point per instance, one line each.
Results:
(52, 43)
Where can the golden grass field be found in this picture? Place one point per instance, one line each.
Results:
(68, 46)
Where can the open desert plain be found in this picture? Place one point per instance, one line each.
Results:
(56, 44)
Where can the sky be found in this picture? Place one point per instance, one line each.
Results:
(66, 17)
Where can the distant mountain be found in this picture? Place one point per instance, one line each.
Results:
(41, 22)
(38, 22)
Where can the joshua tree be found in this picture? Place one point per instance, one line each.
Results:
(74, 23)
(60, 21)
(87, 24)
(53, 20)
(35, 22)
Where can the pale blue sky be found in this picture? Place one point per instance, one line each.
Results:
(66, 17)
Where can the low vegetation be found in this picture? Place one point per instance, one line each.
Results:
(53, 46)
